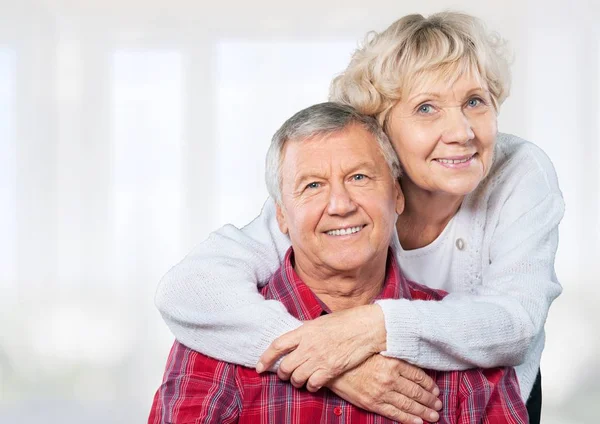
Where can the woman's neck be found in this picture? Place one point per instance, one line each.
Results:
(425, 215)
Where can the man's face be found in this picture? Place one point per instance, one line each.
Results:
(339, 200)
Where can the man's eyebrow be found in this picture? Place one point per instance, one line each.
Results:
(303, 177)
(369, 165)
(312, 174)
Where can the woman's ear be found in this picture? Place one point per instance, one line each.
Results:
(281, 221)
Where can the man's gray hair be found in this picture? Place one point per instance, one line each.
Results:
(321, 120)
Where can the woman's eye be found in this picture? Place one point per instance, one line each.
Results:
(313, 185)
(426, 109)
(474, 102)
(359, 177)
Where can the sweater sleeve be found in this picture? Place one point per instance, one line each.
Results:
(210, 300)
(494, 323)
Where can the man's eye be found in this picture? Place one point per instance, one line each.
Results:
(359, 177)
(313, 185)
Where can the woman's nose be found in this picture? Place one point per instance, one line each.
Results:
(457, 126)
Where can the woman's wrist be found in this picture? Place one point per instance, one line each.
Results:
(375, 323)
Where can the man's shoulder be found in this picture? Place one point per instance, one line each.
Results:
(190, 377)
(184, 360)
(279, 285)
(422, 292)
(269, 291)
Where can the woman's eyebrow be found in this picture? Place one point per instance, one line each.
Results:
(425, 94)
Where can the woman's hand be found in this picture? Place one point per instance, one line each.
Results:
(324, 348)
(392, 388)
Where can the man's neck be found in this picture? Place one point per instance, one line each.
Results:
(345, 290)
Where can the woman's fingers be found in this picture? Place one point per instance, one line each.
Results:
(280, 346)
(300, 375)
(317, 380)
(293, 365)
(328, 345)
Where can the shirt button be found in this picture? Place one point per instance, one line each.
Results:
(460, 244)
(337, 411)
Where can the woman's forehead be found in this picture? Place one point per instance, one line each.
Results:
(445, 81)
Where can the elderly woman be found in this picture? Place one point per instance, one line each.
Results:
(481, 219)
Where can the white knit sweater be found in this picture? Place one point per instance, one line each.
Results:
(503, 281)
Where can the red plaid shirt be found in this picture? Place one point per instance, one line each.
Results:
(199, 389)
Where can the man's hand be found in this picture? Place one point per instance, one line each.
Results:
(324, 348)
(392, 388)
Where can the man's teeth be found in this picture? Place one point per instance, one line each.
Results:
(344, 231)
(455, 160)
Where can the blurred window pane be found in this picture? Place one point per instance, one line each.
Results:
(147, 111)
(8, 216)
(260, 84)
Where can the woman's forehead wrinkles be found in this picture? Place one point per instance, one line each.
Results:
(442, 90)
(443, 79)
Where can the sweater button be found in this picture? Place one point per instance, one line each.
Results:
(337, 411)
(460, 244)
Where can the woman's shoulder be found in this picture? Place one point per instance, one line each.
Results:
(521, 179)
(522, 176)
(518, 161)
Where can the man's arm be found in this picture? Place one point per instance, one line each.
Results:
(196, 389)
(492, 394)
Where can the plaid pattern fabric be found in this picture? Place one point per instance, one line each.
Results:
(199, 389)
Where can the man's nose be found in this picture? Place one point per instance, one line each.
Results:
(340, 201)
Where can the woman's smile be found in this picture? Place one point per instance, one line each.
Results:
(456, 162)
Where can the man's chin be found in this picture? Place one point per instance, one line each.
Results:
(347, 264)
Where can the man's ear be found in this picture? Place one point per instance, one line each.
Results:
(281, 221)
(399, 199)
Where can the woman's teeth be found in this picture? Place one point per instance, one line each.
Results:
(455, 160)
(344, 231)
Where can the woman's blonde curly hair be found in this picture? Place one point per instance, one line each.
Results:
(442, 47)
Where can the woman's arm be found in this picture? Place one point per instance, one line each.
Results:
(210, 299)
(495, 324)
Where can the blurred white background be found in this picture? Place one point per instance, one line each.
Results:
(129, 129)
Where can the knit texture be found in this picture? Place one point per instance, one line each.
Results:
(502, 282)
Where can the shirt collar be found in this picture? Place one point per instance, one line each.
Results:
(287, 287)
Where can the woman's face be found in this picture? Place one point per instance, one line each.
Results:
(445, 135)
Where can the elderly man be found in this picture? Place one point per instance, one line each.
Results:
(334, 177)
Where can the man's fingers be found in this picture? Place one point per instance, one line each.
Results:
(419, 376)
(393, 413)
(410, 407)
(417, 393)
(280, 346)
